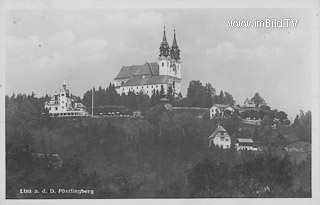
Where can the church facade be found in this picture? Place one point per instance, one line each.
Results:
(161, 75)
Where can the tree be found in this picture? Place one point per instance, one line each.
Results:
(170, 93)
(282, 116)
(257, 99)
(266, 123)
(209, 179)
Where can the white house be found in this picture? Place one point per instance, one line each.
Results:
(63, 105)
(220, 138)
(245, 144)
(219, 109)
(162, 74)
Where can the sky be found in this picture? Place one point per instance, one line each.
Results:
(87, 48)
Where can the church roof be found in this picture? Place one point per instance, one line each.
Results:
(138, 70)
(159, 79)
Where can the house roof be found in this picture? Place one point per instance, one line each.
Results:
(219, 129)
(138, 70)
(159, 79)
(80, 105)
(244, 140)
(220, 105)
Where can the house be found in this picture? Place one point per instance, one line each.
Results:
(245, 144)
(219, 110)
(64, 105)
(153, 77)
(249, 104)
(220, 138)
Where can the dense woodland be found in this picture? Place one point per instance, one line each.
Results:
(163, 155)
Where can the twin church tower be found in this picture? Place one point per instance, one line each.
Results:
(150, 77)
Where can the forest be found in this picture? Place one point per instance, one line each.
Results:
(163, 155)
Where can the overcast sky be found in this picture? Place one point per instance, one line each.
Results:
(88, 47)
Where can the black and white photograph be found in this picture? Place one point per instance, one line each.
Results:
(160, 100)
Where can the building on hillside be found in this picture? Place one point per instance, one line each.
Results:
(162, 75)
(245, 144)
(220, 138)
(64, 105)
(220, 110)
(248, 104)
(251, 104)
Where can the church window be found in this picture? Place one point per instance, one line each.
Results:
(62, 94)
(56, 108)
(151, 86)
(162, 64)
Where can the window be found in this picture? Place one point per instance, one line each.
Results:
(162, 64)
(168, 64)
(62, 101)
(56, 108)
(227, 139)
(62, 94)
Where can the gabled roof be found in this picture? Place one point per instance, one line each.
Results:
(249, 101)
(220, 105)
(219, 129)
(159, 79)
(137, 70)
(244, 140)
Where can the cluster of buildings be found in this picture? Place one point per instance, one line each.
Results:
(222, 139)
(151, 77)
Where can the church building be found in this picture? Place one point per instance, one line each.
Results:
(150, 77)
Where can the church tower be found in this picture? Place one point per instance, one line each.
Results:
(175, 57)
(164, 57)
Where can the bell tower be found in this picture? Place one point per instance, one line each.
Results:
(164, 57)
(175, 57)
